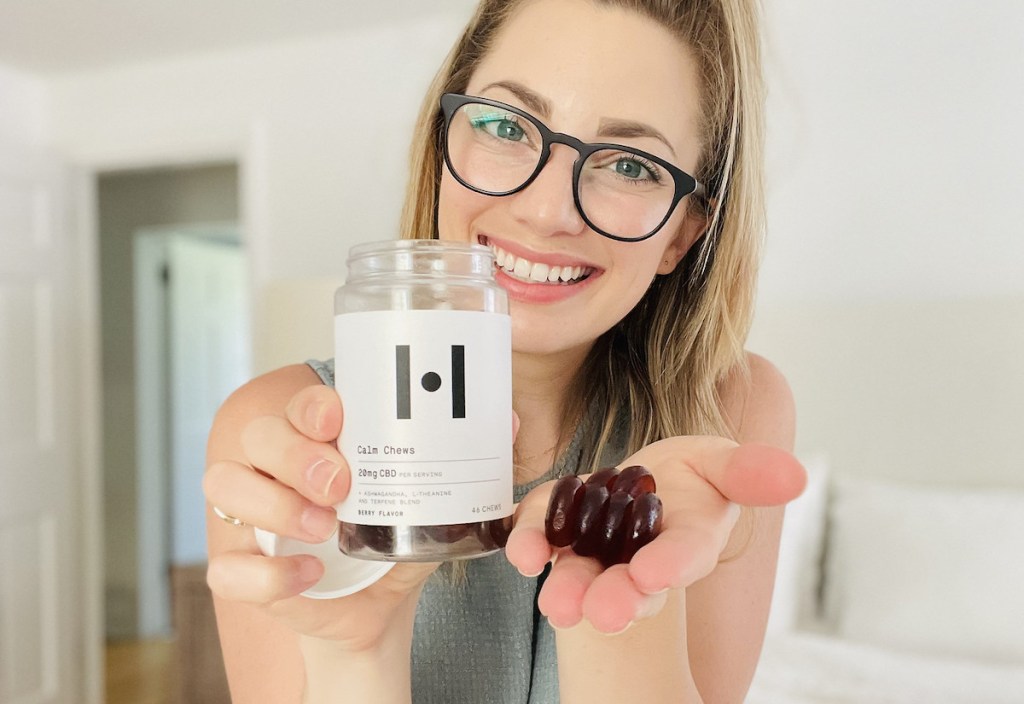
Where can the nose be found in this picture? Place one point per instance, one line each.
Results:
(547, 203)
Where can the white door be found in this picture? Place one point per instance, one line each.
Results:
(41, 627)
(209, 359)
(192, 350)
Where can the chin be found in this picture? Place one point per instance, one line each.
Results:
(537, 338)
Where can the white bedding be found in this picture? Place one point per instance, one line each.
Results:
(806, 668)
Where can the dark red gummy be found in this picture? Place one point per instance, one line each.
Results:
(618, 515)
(378, 538)
(643, 527)
(591, 518)
(563, 509)
(387, 540)
(448, 534)
(606, 476)
(635, 481)
(610, 516)
(499, 530)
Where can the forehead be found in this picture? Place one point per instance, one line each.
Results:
(592, 61)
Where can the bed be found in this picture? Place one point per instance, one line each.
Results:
(897, 593)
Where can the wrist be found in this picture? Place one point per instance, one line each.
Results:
(333, 674)
(380, 672)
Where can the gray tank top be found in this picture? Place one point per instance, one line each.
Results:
(483, 641)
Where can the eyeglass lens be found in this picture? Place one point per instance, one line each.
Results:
(497, 151)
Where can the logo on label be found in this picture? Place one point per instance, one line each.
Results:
(431, 381)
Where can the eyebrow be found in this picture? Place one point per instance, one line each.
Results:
(609, 126)
(534, 101)
(626, 129)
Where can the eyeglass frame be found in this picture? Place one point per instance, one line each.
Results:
(685, 184)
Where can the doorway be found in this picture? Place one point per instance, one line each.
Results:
(182, 220)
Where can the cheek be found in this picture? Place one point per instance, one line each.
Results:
(642, 259)
(456, 207)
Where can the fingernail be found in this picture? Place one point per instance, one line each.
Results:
(557, 628)
(321, 474)
(531, 576)
(319, 523)
(622, 630)
(652, 605)
(314, 415)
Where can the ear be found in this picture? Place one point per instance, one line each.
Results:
(692, 227)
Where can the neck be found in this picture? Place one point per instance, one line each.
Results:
(540, 392)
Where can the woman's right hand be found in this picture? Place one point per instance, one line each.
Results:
(279, 469)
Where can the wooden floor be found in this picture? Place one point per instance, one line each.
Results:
(141, 672)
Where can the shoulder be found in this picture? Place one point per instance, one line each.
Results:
(758, 404)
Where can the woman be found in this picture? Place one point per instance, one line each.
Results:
(632, 353)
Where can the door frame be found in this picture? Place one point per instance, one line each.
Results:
(250, 153)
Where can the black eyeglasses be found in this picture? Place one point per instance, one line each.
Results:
(620, 192)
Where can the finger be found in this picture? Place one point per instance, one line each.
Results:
(527, 547)
(613, 602)
(316, 412)
(257, 500)
(314, 469)
(515, 425)
(681, 555)
(759, 475)
(561, 597)
(256, 579)
(750, 474)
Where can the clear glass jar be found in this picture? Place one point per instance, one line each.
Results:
(423, 367)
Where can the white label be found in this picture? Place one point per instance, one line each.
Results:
(427, 432)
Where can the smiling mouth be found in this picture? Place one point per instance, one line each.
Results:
(523, 269)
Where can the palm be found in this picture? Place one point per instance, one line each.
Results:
(702, 483)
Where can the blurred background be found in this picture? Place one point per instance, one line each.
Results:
(180, 183)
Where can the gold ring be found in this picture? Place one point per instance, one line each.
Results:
(237, 522)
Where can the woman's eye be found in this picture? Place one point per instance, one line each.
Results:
(507, 129)
(500, 127)
(634, 170)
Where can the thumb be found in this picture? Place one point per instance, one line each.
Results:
(758, 475)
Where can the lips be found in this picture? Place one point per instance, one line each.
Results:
(522, 269)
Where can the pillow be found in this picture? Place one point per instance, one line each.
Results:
(935, 570)
(798, 577)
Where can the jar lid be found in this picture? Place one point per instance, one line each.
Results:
(343, 575)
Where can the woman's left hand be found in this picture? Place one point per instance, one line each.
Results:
(702, 483)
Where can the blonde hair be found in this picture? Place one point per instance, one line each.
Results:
(662, 364)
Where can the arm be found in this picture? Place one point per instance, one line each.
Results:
(711, 653)
(261, 655)
(356, 647)
(727, 611)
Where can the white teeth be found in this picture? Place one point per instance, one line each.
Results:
(522, 269)
(539, 272)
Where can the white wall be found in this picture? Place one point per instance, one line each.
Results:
(24, 110)
(893, 158)
(895, 149)
(892, 292)
(328, 121)
(321, 129)
(894, 164)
